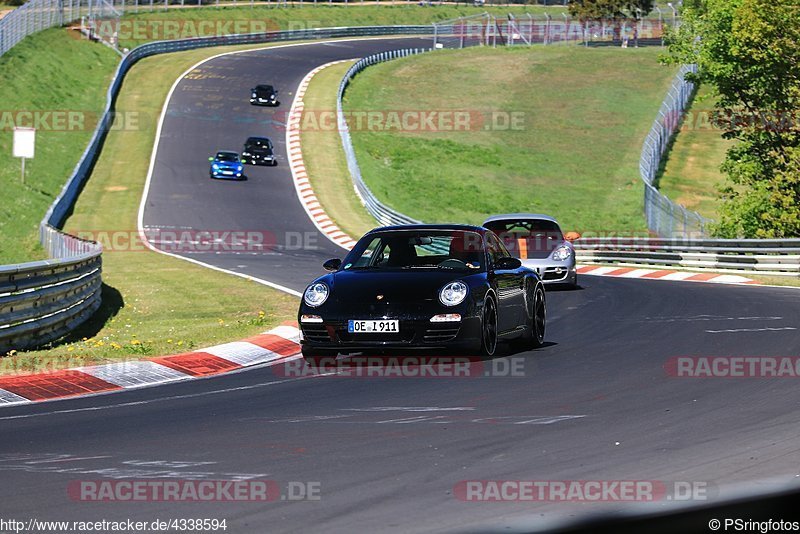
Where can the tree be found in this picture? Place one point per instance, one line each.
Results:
(748, 51)
(614, 10)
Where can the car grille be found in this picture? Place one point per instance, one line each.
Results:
(550, 274)
(441, 333)
(316, 332)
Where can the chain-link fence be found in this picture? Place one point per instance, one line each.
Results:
(665, 217)
(490, 30)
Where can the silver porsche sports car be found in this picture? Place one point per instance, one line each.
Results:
(538, 241)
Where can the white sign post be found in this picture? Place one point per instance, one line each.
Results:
(24, 145)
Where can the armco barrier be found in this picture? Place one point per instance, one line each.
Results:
(779, 257)
(43, 301)
(382, 213)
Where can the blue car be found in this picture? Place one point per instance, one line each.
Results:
(227, 165)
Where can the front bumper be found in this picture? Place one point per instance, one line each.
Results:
(227, 174)
(415, 332)
(259, 160)
(554, 271)
(264, 101)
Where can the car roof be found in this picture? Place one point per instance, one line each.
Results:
(263, 86)
(254, 139)
(227, 152)
(516, 216)
(417, 227)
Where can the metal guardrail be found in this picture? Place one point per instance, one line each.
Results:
(779, 257)
(43, 301)
(385, 215)
(665, 217)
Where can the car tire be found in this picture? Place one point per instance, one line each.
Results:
(489, 328)
(533, 338)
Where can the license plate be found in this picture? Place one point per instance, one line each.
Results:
(389, 326)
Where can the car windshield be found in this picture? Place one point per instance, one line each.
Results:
(258, 143)
(228, 156)
(533, 235)
(264, 89)
(426, 249)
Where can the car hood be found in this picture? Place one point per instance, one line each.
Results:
(532, 249)
(394, 285)
(230, 164)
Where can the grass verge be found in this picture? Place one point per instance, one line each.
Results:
(58, 85)
(152, 304)
(691, 176)
(324, 158)
(138, 28)
(581, 117)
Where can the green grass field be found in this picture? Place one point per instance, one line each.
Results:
(584, 115)
(691, 175)
(152, 304)
(175, 23)
(49, 75)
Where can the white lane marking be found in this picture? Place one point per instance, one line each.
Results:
(706, 318)
(776, 329)
(67, 458)
(154, 154)
(408, 409)
(158, 399)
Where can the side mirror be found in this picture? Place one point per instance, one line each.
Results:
(572, 236)
(332, 264)
(507, 264)
(211, 159)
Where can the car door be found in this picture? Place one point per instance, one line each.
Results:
(510, 286)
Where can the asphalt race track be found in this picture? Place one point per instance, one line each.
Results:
(386, 453)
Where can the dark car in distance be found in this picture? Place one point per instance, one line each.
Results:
(425, 287)
(258, 151)
(264, 95)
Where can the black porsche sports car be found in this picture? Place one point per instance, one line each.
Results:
(423, 286)
(264, 95)
(259, 151)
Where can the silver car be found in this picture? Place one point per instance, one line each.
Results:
(538, 241)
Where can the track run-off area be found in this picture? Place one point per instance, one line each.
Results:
(602, 400)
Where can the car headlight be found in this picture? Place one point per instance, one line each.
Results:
(215, 167)
(453, 293)
(316, 294)
(562, 253)
(239, 168)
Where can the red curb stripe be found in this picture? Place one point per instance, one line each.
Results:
(658, 274)
(702, 277)
(620, 271)
(586, 268)
(277, 344)
(197, 363)
(55, 385)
